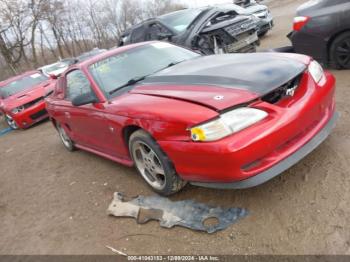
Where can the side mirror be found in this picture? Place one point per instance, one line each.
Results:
(84, 99)
(53, 77)
(162, 36)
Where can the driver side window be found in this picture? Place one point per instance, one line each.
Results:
(77, 84)
(154, 31)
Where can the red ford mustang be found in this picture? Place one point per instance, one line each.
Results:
(22, 99)
(220, 121)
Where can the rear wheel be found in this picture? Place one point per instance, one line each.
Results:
(11, 122)
(66, 141)
(340, 51)
(153, 165)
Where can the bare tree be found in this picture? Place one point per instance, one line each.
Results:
(33, 32)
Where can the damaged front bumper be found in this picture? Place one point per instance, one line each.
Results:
(239, 45)
(260, 148)
(265, 24)
(229, 37)
(281, 166)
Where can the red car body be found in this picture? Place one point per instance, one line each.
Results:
(167, 107)
(31, 99)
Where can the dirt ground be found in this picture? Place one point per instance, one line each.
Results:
(54, 202)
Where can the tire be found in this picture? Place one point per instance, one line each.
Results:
(65, 139)
(340, 52)
(153, 165)
(11, 122)
(262, 34)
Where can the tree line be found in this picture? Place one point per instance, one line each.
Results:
(38, 32)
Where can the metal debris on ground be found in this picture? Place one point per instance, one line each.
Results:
(186, 213)
(115, 251)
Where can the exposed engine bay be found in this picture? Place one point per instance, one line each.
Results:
(211, 30)
(222, 34)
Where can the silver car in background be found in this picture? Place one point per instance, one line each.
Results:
(261, 12)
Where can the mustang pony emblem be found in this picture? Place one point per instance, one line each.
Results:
(291, 91)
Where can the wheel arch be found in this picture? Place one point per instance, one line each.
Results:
(127, 132)
(54, 122)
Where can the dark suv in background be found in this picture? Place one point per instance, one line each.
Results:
(322, 30)
(217, 29)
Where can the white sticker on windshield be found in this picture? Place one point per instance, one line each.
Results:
(35, 75)
(161, 45)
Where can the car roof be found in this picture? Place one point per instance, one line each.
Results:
(130, 29)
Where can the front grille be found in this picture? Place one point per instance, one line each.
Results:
(38, 114)
(244, 35)
(282, 92)
(33, 102)
(237, 29)
(243, 41)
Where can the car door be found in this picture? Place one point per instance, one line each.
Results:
(86, 123)
(156, 31)
(138, 34)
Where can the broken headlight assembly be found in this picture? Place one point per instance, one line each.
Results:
(17, 110)
(227, 124)
(316, 71)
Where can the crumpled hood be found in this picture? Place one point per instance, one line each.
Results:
(27, 96)
(221, 81)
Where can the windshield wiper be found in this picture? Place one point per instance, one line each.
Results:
(170, 65)
(132, 81)
(135, 80)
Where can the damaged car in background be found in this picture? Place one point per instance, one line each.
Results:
(262, 12)
(222, 121)
(210, 30)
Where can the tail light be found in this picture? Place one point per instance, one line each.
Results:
(300, 22)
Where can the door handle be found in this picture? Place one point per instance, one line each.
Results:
(67, 114)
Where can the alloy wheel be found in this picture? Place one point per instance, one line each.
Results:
(343, 53)
(11, 122)
(149, 165)
(67, 142)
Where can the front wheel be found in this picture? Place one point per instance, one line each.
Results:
(340, 51)
(153, 165)
(66, 141)
(11, 122)
(262, 34)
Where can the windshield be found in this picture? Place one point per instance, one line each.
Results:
(90, 54)
(180, 20)
(118, 70)
(21, 84)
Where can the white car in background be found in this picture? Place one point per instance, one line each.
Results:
(261, 12)
(56, 69)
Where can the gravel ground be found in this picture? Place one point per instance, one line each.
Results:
(54, 202)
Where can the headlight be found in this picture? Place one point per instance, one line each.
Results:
(227, 124)
(316, 71)
(17, 109)
(261, 14)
